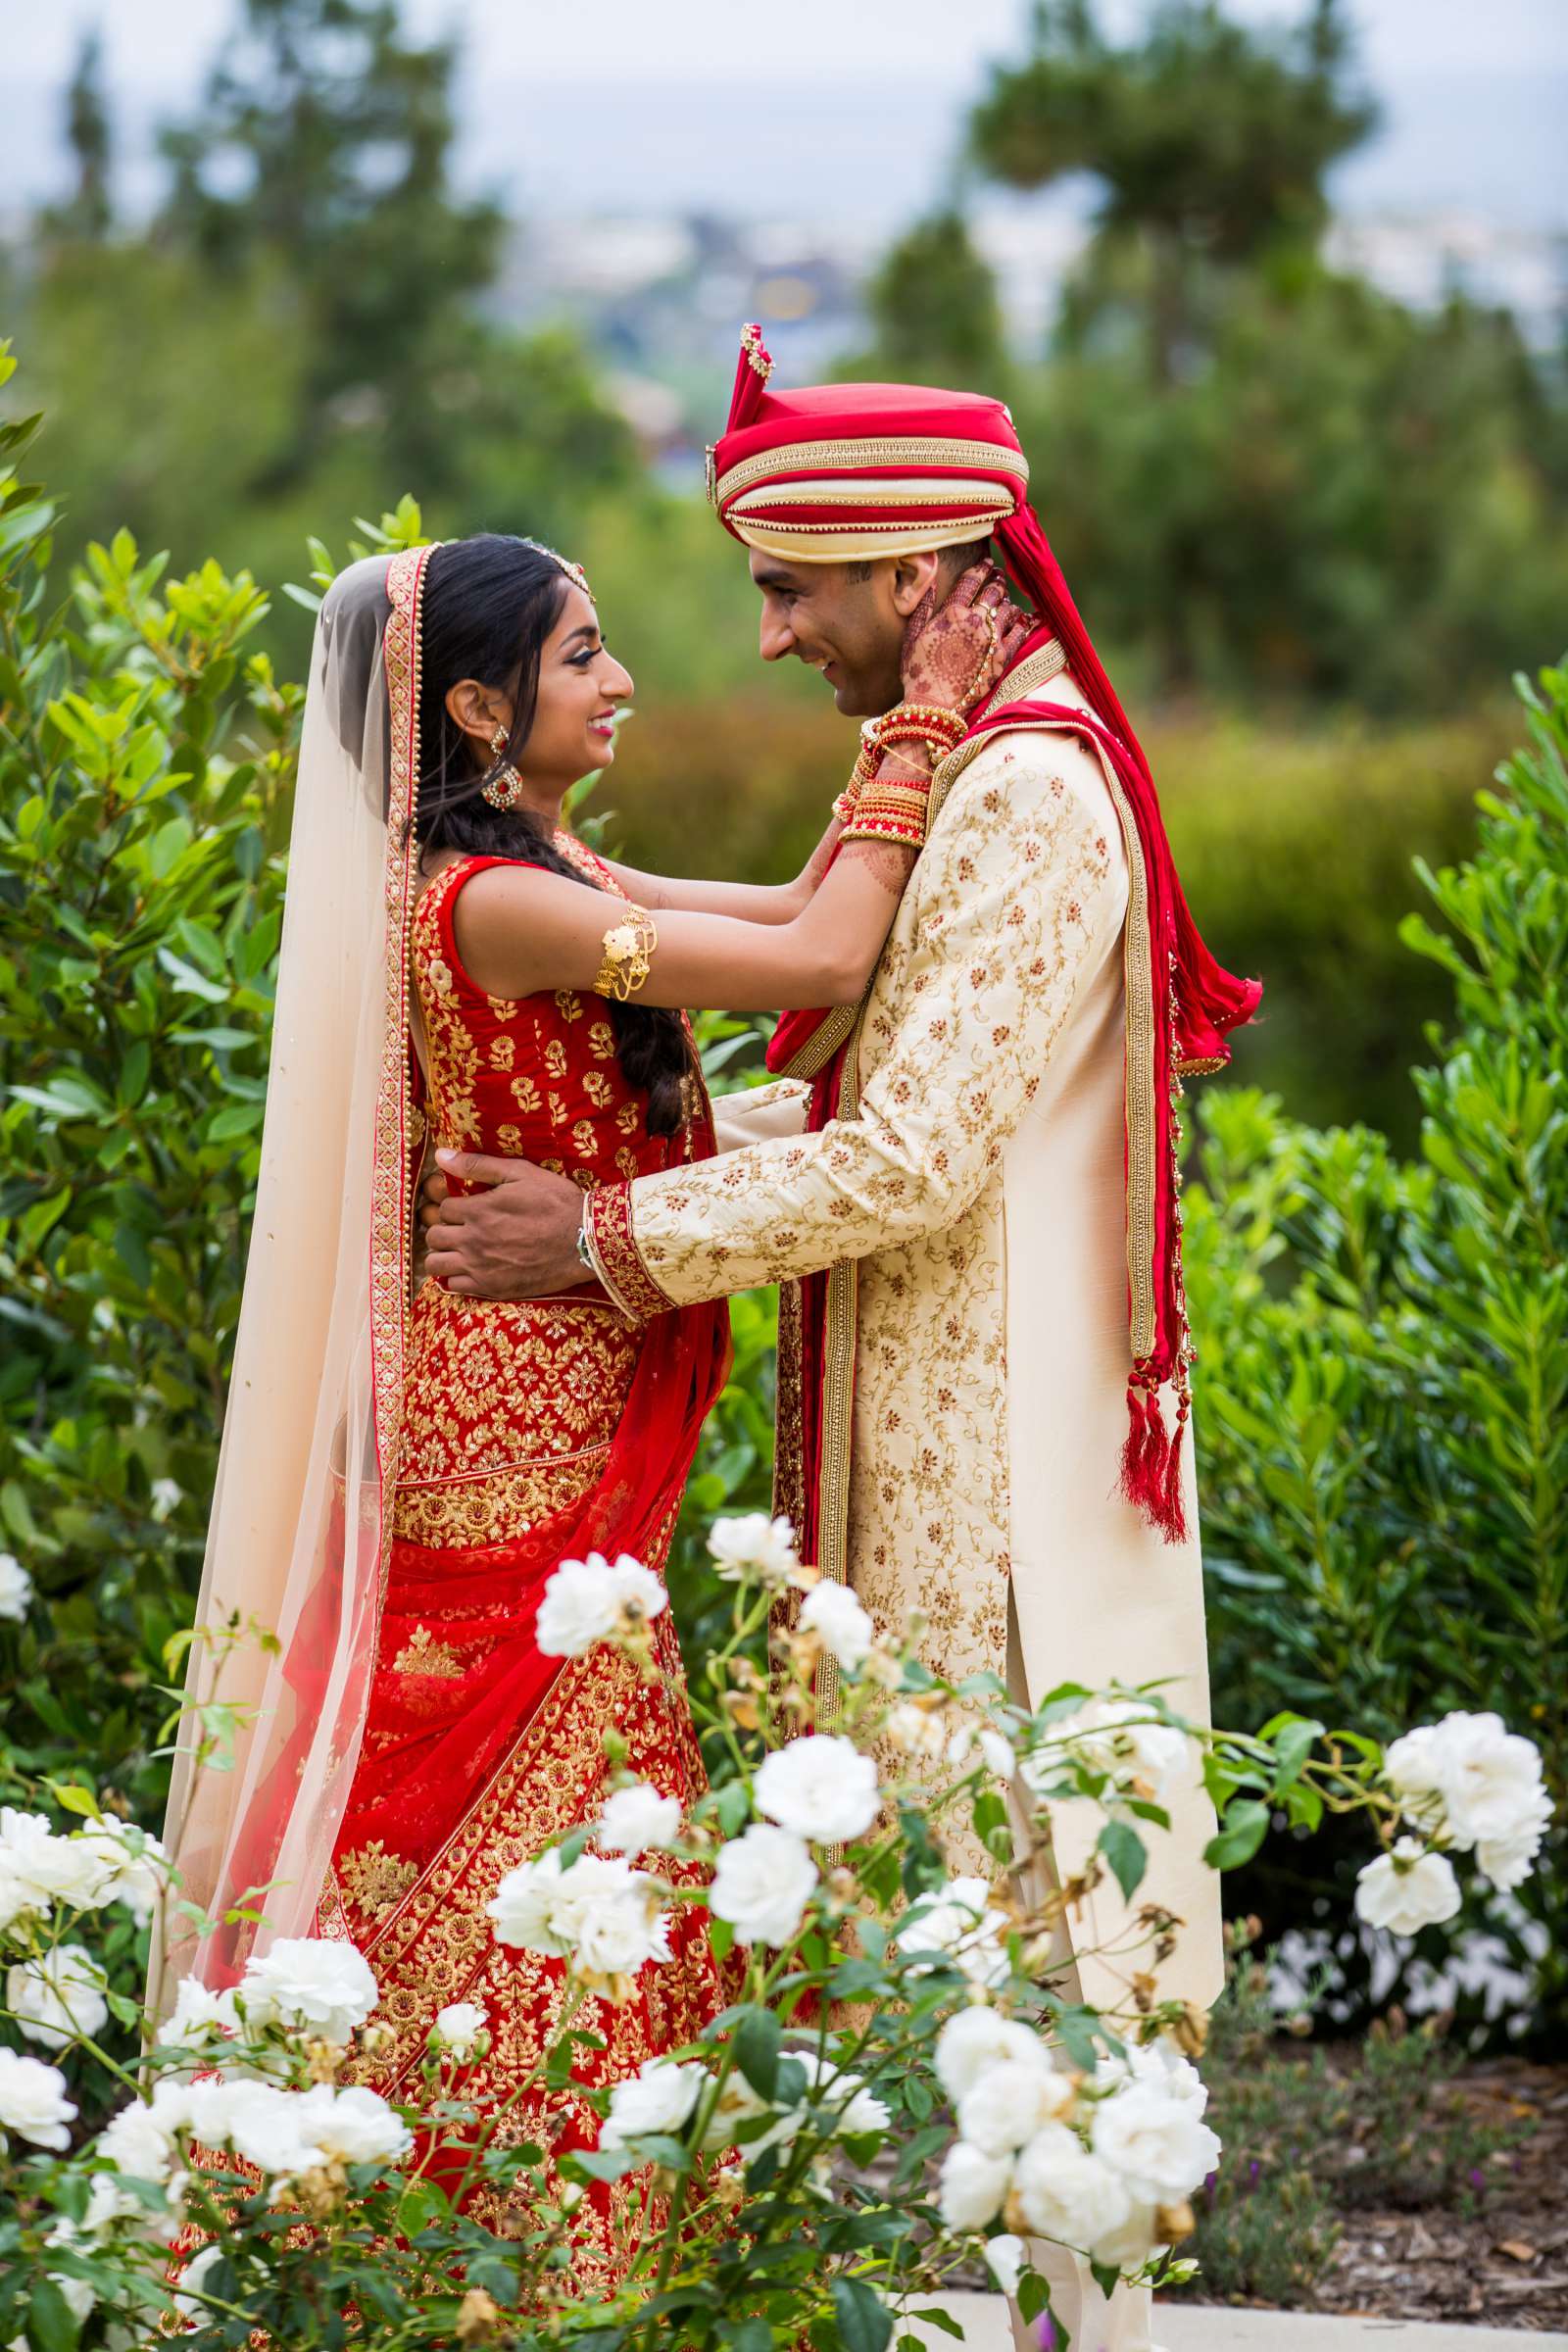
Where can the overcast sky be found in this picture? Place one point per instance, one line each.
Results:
(634, 103)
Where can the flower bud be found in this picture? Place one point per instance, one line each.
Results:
(477, 2315)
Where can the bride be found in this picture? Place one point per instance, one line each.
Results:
(402, 1468)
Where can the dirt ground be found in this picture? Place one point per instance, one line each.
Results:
(1508, 2267)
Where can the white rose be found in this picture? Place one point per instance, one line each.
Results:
(997, 1751)
(600, 1914)
(1490, 1778)
(1121, 1737)
(820, 1786)
(753, 1548)
(49, 1869)
(958, 1922)
(973, 2186)
(978, 2039)
(459, 2025)
(57, 1998)
(1009, 2105)
(135, 1866)
(33, 2101)
(1412, 1767)
(1407, 1890)
(578, 1607)
(199, 2015)
(353, 2126)
(658, 2097)
(1127, 2246)
(738, 2103)
(1155, 2142)
(265, 2124)
(761, 1884)
(139, 2140)
(1063, 2192)
(855, 2109)
(621, 1930)
(166, 1496)
(17, 1899)
(523, 1906)
(640, 1597)
(832, 1612)
(1508, 1861)
(917, 1730)
(303, 1982)
(1005, 2261)
(636, 1818)
(1158, 2062)
(16, 1588)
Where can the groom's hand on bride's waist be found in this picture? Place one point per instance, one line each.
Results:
(517, 1239)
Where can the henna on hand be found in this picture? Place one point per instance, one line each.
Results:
(956, 651)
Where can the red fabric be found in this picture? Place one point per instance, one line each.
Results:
(533, 1432)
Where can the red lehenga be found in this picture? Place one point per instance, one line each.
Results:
(531, 1432)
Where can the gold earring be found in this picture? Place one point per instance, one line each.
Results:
(505, 788)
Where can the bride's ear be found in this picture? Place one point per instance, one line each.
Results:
(479, 710)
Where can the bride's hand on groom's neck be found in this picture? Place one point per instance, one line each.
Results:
(517, 1239)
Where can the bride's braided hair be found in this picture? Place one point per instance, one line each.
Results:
(490, 603)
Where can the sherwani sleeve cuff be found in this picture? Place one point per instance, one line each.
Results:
(617, 1262)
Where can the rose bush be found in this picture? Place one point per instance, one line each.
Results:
(903, 2077)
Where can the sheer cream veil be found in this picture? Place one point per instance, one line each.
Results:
(287, 1618)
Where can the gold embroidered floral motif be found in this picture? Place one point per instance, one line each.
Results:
(425, 1654)
(373, 1880)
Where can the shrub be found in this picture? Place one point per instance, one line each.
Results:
(1312, 2135)
(1383, 1401)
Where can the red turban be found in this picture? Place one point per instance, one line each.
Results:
(838, 471)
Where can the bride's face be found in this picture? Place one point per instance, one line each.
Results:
(581, 686)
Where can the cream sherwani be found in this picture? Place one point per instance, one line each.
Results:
(975, 1206)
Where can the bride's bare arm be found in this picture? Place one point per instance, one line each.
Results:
(747, 902)
(519, 929)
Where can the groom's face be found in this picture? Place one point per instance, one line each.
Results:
(845, 620)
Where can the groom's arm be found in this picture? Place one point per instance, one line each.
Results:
(1021, 894)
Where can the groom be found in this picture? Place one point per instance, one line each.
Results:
(966, 1186)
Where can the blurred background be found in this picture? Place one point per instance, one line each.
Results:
(1276, 290)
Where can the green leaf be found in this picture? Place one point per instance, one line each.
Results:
(1034, 2296)
(757, 2039)
(865, 2322)
(51, 2323)
(1240, 1834)
(1123, 1849)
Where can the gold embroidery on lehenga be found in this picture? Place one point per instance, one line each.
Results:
(497, 1505)
(425, 1654)
(373, 1880)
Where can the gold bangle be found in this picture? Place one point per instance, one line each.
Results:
(628, 950)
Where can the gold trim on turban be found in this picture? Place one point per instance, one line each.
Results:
(825, 542)
(988, 458)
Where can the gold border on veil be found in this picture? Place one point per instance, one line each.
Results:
(391, 1208)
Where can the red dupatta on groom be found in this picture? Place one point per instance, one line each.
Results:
(843, 472)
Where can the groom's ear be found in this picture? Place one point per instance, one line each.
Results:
(913, 577)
